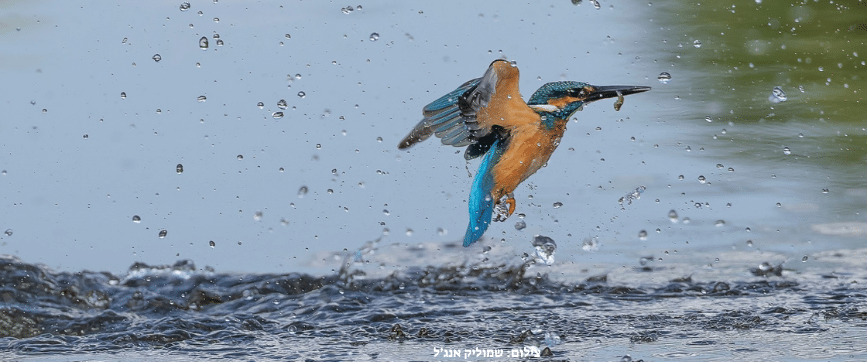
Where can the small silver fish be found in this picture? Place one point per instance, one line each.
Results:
(619, 102)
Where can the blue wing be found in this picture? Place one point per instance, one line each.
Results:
(452, 117)
(480, 202)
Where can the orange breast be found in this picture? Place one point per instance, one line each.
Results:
(529, 148)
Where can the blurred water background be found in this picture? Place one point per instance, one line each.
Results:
(220, 179)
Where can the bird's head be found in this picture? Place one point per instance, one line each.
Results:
(561, 99)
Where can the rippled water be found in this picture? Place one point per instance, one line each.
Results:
(367, 311)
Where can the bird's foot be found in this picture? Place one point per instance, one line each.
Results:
(501, 211)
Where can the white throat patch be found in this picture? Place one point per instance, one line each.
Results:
(545, 107)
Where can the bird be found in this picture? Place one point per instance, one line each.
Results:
(514, 138)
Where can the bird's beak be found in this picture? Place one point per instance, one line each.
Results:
(612, 91)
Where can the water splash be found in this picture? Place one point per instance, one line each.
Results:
(545, 248)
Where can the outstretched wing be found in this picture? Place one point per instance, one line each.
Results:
(461, 118)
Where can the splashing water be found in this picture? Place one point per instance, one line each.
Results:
(545, 248)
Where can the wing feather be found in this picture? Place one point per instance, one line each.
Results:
(468, 115)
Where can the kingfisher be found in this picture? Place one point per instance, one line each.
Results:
(515, 139)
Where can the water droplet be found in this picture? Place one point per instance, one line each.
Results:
(408, 232)
(136, 219)
(212, 243)
(202, 99)
(804, 259)
(122, 95)
(642, 235)
(632, 196)
(179, 169)
(558, 204)
(216, 20)
(318, 146)
(374, 36)
(664, 78)
(163, 233)
(203, 43)
(520, 225)
(85, 136)
(590, 244)
(672, 215)
(260, 105)
(697, 43)
(277, 115)
(239, 157)
(787, 151)
(257, 216)
(825, 191)
(185, 6)
(801, 88)
(282, 104)
(385, 212)
(702, 180)
(219, 42)
(750, 243)
(157, 57)
(720, 223)
(778, 95)
(545, 248)
(779, 205)
(442, 232)
(301, 94)
(8, 232)
(302, 191)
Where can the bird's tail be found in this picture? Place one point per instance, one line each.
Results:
(481, 202)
